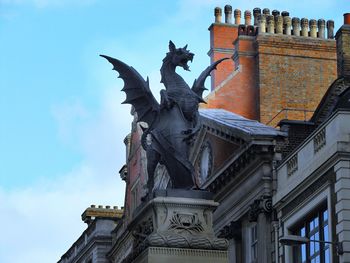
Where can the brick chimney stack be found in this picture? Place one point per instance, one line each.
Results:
(343, 48)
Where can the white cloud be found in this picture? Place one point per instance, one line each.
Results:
(43, 220)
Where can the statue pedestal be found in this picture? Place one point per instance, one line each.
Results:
(176, 226)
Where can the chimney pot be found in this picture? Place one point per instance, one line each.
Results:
(237, 15)
(218, 14)
(256, 13)
(313, 28)
(296, 26)
(228, 14)
(266, 11)
(275, 12)
(347, 19)
(248, 17)
(287, 23)
(262, 23)
(304, 27)
(270, 24)
(330, 29)
(321, 23)
(279, 24)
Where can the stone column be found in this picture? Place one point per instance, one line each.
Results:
(330, 29)
(248, 18)
(256, 13)
(313, 28)
(262, 23)
(228, 14)
(321, 23)
(237, 15)
(296, 26)
(279, 24)
(218, 14)
(304, 27)
(287, 23)
(270, 24)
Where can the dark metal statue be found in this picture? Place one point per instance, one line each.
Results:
(173, 123)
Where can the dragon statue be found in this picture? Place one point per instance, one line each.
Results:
(174, 122)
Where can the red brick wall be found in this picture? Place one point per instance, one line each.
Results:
(270, 73)
(293, 73)
(221, 46)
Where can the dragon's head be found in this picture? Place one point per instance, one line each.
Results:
(179, 56)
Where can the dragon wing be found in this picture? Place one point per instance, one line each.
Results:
(198, 84)
(137, 90)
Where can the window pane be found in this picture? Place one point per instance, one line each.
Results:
(315, 228)
(325, 233)
(325, 215)
(327, 256)
(303, 253)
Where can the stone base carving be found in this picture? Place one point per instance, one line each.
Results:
(177, 219)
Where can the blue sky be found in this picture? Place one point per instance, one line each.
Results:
(62, 125)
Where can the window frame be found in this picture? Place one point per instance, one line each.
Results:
(318, 230)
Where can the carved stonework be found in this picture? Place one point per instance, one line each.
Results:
(141, 232)
(261, 205)
(177, 219)
(232, 231)
(319, 140)
(292, 165)
(181, 222)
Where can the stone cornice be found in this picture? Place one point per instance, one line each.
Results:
(231, 171)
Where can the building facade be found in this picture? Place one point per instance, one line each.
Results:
(272, 183)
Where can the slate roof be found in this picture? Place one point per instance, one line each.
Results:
(237, 123)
